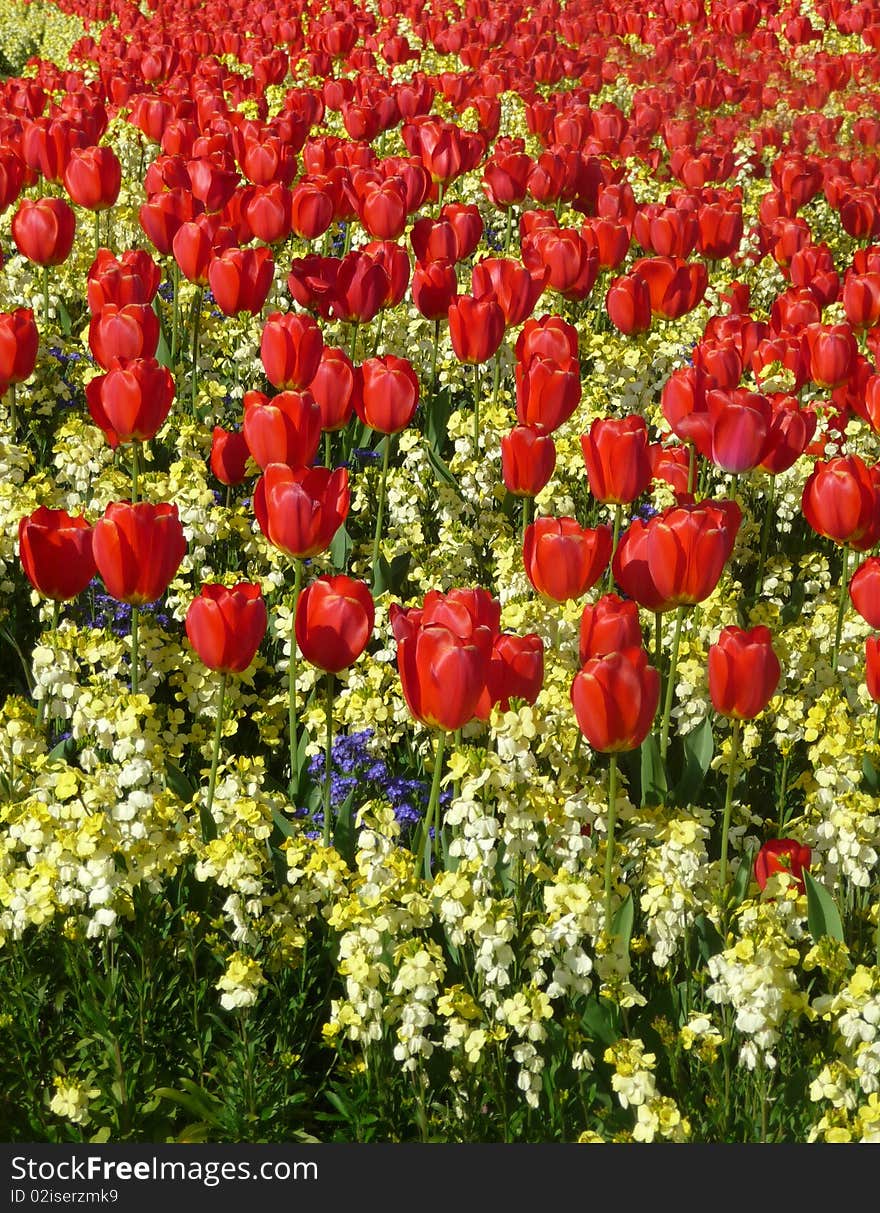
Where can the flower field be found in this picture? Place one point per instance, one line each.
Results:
(439, 600)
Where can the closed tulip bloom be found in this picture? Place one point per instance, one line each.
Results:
(285, 429)
(476, 328)
(628, 304)
(311, 209)
(791, 432)
(55, 549)
(226, 626)
(739, 425)
(434, 287)
(615, 700)
(528, 458)
(861, 299)
(360, 288)
(134, 400)
(269, 213)
(443, 674)
(516, 669)
(616, 455)
(831, 350)
(19, 342)
(229, 455)
(515, 289)
(547, 392)
(689, 547)
(333, 388)
(609, 626)
(334, 622)
(43, 230)
(434, 240)
(290, 349)
(92, 177)
(563, 559)
(138, 549)
(864, 590)
(467, 223)
(386, 393)
(240, 279)
(782, 855)
(133, 277)
(872, 667)
(299, 510)
(117, 333)
(743, 672)
(549, 337)
(197, 243)
(839, 500)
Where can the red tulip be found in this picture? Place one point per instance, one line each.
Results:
(528, 458)
(550, 337)
(360, 288)
(611, 625)
(334, 622)
(743, 672)
(240, 279)
(832, 351)
(269, 212)
(226, 626)
(547, 392)
(839, 499)
(133, 401)
(138, 549)
(299, 510)
(19, 342)
(229, 455)
(616, 455)
(444, 669)
(117, 333)
(197, 243)
(738, 427)
(92, 177)
(476, 328)
(628, 304)
(386, 393)
(782, 855)
(864, 590)
(133, 277)
(563, 559)
(311, 209)
(43, 230)
(162, 215)
(515, 289)
(861, 300)
(285, 429)
(55, 550)
(516, 669)
(291, 349)
(872, 667)
(615, 699)
(675, 286)
(434, 287)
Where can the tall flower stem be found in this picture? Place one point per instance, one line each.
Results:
(291, 670)
(618, 515)
(13, 411)
(434, 358)
(355, 328)
(509, 233)
(327, 448)
(380, 508)
(527, 507)
(728, 801)
(841, 609)
(197, 321)
(135, 674)
(46, 293)
(476, 407)
(433, 808)
(658, 639)
(328, 753)
(440, 192)
(670, 685)
(97, 231)
(609, 844)
(692, 467)
(209, 828)
(56, 618)
(134, 471)
(175, 312)
(769, 516)
(877, 726)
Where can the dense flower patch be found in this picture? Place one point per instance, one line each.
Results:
(440, 670)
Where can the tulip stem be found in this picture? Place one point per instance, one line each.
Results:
(134, 471)
(496, 377)
(433, 807)
(209, 827)
(378, 336)
(509, 234)
(354, 339)
(135, 680)
(346, 244)
(46, 292)
(197, 320)
(476, 408)
(609, 844)
(877, 726)
(97, 232)
(175, 311)
(728, 802)
(528, 503)
(769, 514)
(380, 508)
(658, 640)
(56, 617)
(692, 467)
(670, 685)
(841, 609)
(434, 358)
(13, 411)
(439, 198)
(327, 448)
(291, 671)
(618, 515)
(328, 754)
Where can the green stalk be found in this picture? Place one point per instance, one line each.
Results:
(440, 191)
(528, 505)
(346, 248)
(670, 685)
(496, 376)
(476, 408)
(327, 448)
(135, 680)
(291, 672)
(209, 827)
(841, 608)
(433, 805)
(769, 513)
(658, 640)
(354, 339)
(618, 515)
(175, 311)
(328, 755)
(134, 471)
(380, 509)
(609, 844)
(877, 726)
(692, 468)
(97, 232)
(434, 358)
(13, 411)
(46, 292)
(378, 336)
(197, 320)
(728, 802)
(509, 235)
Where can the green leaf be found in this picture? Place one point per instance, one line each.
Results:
(791, 612)
(709, 942)
(823, 916)
(437, 412)
(598, 1021)
(699, 747)
(178, 782)
(870, 775)
(344, 833)
(743, 879)
(64, 751)
(284, 824)
(64, 318)
(624, 920)
(653, 772)
(163, 350)
(439, 468)
(391, 576)
(340, 549)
